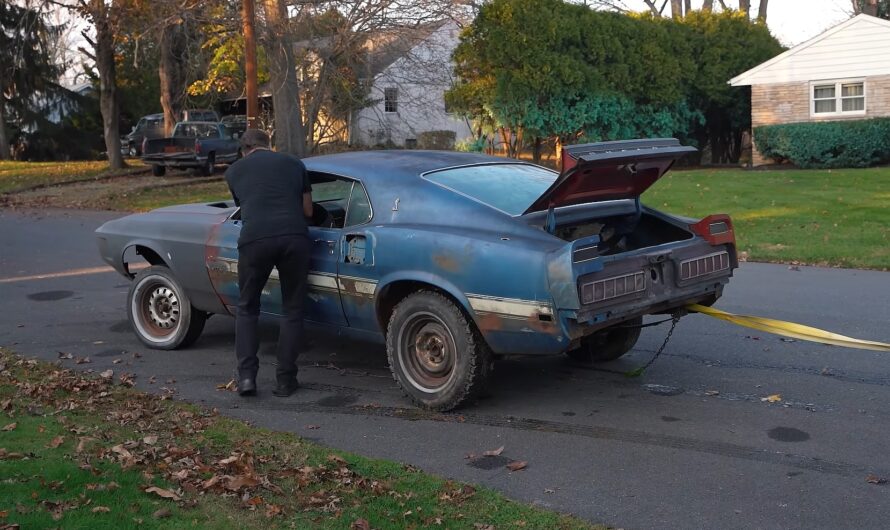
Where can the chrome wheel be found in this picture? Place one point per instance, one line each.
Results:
(427, 351)
(160, 311)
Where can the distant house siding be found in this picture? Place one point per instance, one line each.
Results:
(778, 103)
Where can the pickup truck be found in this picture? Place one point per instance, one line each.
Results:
(198, 145)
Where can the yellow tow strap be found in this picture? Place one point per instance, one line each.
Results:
(790, 329)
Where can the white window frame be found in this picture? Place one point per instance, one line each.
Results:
(396, 101)
(838, 98)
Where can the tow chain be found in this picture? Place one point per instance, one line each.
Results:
(674, 319)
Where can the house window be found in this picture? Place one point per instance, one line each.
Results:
(390, 100)
(838, 98)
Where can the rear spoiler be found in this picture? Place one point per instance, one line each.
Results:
(623, 151)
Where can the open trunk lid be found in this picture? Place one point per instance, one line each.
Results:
(610, 170)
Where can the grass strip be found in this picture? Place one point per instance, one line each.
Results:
(81, 451)
(22, 176)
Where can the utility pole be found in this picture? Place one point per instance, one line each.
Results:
(248, 21)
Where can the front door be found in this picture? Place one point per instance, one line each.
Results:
(322, 302)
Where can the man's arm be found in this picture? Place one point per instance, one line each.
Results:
(307, 204)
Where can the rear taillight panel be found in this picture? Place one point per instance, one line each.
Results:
(715, 229)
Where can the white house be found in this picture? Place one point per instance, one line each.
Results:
(842, 74)
(409, 77)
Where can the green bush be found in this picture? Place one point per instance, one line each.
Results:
(828, 144)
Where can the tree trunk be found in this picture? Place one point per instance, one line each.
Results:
(248, 23)
(761, 13)
(687, 8)
(676, 8)
(708, 5)
(536, 149)
(108, 97)
(172, 74)
(290, 133)
(870, 7)
(745, 6)
(4, 141)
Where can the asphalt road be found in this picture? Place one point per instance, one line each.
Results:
(690, 444)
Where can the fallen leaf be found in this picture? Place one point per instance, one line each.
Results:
(360, 524)
(337, 459)
(119, 449)
(874, 479)
(516, 465)
(6, 404)
(99, 342)
(783, 339)
(101, 509)
(82, 444)
(82, 360)
(254, 501)
(495, 452)
(241, 481)
(107, 374)
(161, 492)
(774, 398)
(65, 355)
(312, 427)
(212, 481)
(712, 392)
(55, 442)
(230, 460)
(116, 361)
(181, 475)
(549, 490)
(161, 514)
(272, 510)
(150, 439)
(10, 427)
(483, 526)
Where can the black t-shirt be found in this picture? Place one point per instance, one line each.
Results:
(269, 188)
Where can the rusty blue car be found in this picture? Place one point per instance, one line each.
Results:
(451, 259)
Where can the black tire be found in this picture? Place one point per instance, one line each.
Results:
(158, 171)
(457, 362)
(160, 312)
(608, 344)
(209, 165)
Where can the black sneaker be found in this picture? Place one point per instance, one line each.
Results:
(285, 389)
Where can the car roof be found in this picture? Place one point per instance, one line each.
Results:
(152, 117)
(399, 164)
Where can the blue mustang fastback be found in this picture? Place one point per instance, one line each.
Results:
(451, 259)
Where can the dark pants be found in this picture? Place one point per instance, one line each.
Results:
(290, 254)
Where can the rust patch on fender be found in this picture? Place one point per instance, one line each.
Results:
(490, 322)
(534, 322)
(446, 262)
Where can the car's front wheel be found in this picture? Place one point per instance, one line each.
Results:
(158, 170)
(133, 151)
(608, 344)
(435, 353)
(160, 311)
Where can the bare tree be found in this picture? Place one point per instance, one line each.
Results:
(290, 135)
(657, 11)
(708, 5)
(761, 12)
(869, 7)
(172, 70)
(745, 6)
(676, 8)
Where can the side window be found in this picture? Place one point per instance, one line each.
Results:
(359, 209)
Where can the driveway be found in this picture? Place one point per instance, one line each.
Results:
(690, 444)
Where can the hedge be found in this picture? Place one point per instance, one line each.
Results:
(828, 144)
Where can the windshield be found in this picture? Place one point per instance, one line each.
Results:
(196, 130)
(511, 188)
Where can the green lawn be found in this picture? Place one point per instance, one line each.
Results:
(822, 217)
(81, 451)
(15, 176)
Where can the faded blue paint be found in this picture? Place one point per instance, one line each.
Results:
(518, 283)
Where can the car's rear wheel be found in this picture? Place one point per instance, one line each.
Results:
(608, 344)
(160, 311)
(158, 170)
(435, 353)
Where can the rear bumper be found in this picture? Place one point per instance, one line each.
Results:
(671, 279)
(178, 162)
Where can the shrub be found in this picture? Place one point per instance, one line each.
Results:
(828, 144)
(441, 140)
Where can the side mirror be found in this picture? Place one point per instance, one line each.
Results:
(133, 129)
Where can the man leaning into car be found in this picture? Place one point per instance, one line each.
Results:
(275, 197)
